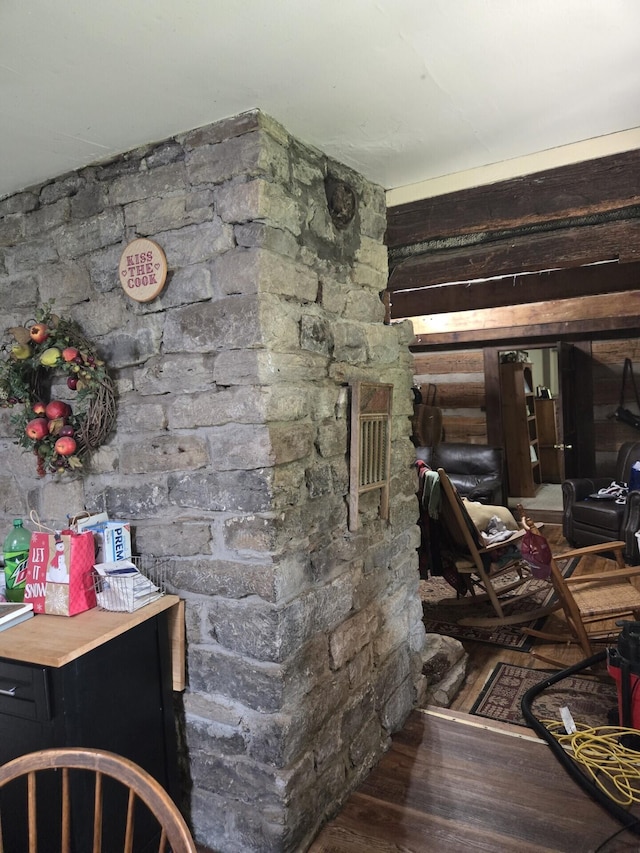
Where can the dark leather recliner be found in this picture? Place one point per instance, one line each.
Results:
(476, 470)
(590, 522)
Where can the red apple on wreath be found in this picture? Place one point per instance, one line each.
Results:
(37, 429)
(65, 445)
(39, 332)
(57, 409)
(70, 353)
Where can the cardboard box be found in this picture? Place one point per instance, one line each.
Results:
(113, 541)
(90, 521)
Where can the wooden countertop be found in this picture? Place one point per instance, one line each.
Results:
(57, 640)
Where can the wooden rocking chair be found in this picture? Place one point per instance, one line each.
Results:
(592, 602)
(477, 563)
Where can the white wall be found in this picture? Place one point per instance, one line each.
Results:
(590, 149)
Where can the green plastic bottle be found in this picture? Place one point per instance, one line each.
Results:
(16, 552)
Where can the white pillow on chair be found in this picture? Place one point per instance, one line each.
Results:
(481, 515)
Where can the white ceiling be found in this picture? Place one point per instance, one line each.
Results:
(402, 90)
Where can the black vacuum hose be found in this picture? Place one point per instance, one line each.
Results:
(615, 809)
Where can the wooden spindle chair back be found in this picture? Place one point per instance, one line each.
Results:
(173, 832)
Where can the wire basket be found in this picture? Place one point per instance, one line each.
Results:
(127, 589)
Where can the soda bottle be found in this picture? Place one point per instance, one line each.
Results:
(16, 552)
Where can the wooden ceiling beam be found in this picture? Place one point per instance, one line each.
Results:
(580, 189)
(548, 320)
(517, 289)
(572, 247)
(556, 226)
(539, 333)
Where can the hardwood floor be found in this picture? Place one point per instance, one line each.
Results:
(449, 784)
(456, 782)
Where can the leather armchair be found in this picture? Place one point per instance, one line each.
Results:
(590, 522)
(476, 470)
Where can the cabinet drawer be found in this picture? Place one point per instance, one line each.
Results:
(24, 691)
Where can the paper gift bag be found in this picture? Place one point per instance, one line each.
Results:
(60, 572)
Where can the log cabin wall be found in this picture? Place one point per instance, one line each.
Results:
(608, 360)
(458, 384)
(525, 262)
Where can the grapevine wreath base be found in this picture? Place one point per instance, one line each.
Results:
(59, 433)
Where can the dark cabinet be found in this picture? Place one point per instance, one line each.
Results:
(116, 695)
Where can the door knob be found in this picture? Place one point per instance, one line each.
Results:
(563, 447)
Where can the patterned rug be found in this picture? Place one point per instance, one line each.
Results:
(588, 699)
(444, 619)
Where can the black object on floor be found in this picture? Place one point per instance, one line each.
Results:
(621, 814)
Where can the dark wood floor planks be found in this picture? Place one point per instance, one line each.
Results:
(449, 783)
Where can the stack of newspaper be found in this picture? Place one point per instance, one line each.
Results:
(120, 586)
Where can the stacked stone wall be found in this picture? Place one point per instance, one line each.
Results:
(230, 453)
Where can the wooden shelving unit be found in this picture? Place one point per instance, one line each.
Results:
(520, 428)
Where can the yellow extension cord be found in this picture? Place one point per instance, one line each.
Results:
(614, 768)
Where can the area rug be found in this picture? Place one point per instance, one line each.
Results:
(444, 619)
(589, 700)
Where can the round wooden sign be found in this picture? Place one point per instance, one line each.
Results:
(142, 270)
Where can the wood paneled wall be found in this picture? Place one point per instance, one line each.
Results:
(459, 391)
(608, 361)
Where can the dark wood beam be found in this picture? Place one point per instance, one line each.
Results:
(577, 190)
(556, 226)
(563, 248)
(516, 290)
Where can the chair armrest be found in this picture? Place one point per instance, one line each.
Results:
(579, 489)
(574, 491)
(616, 574)
(600, 548)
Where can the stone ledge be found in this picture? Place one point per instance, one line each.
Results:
(445, 667)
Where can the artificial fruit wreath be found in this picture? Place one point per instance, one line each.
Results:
(60, 433)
